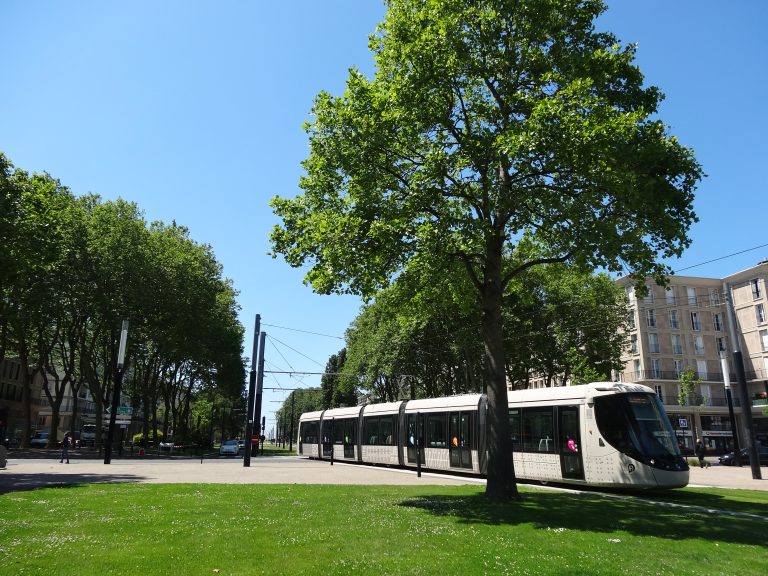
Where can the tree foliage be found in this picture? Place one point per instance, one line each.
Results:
(419, 339)
(74, 268)
(338, 389)
(688, 382)
(489, 127)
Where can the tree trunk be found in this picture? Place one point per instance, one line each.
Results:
(501, 473)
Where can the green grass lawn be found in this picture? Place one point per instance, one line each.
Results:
(194, 529)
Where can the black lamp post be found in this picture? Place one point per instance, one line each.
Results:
(116, 393)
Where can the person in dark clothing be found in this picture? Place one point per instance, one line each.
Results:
(65, 443)
(701, 452)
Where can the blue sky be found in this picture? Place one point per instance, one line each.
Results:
(193, 110)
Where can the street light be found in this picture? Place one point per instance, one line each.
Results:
(116, 392)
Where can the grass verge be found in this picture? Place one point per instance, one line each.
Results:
(307, 529)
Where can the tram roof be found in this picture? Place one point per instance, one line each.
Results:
(469, 401)
(579, 392)
(342, 412)
(383, 408)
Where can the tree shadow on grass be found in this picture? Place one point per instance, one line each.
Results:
(594, 513)
(10, 482)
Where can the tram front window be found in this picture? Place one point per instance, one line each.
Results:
(637, 425)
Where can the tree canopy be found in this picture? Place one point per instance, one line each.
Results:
(489, 127)
(74, 267)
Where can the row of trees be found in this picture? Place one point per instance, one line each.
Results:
(72, 268)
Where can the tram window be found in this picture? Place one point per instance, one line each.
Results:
(514, 429)
(308, 432)
(371, 431)
(436, 430)
(386, 430)
(337, 426)
(344, 431)
(538, 430)
(349, 430)
(636, 424)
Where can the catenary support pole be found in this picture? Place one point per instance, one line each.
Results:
(290, 441)
(251, 395)
(260, 384)
(116, 392)
(746, 405)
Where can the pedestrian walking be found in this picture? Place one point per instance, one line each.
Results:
(65, 443)
(700, 452)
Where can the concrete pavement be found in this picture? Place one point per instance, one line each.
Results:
(25, 474)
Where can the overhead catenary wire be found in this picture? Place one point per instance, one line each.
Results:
(721, 258)
(294, 350)
(305, 331)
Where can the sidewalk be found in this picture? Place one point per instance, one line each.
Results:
(728, 477)
(25, 474)
(22, 474)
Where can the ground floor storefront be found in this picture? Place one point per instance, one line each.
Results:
(714, 427)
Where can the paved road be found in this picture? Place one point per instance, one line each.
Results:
(25, 474)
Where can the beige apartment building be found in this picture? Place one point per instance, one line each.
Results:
(687, 324)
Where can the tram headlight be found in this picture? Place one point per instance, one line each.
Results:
(652, 462)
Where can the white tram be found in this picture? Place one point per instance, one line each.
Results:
(601, 434)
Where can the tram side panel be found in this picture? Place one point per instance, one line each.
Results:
(447, 432)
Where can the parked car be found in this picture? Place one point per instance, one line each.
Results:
(241, 445)
(39, 440)
(730, 458)
(229, 448)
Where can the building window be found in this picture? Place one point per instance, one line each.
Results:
(701, 369)
(717, 322)
(660, 392)
(695, 321)
(653, 343)
(649, 297)
(691, 296)
(759, 314)
(637, 369)
(633, 343)
(671, 300)
(755, 284)
(721, 344)
(698, 345)
(679, 367)
(714, 297)
(764, 338)
(674, 319)
(630, 290)
(631, 320)
(677, 344)
(650, 318)
(656, 367)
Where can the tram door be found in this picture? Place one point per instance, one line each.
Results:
(414, 432)
(460, 445)
(571, 460)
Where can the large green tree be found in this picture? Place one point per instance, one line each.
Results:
(488, 122)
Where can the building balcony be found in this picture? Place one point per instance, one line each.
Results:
(699, 400)
(642, 375)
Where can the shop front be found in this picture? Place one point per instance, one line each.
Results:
(683, 425)
(717, 433)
